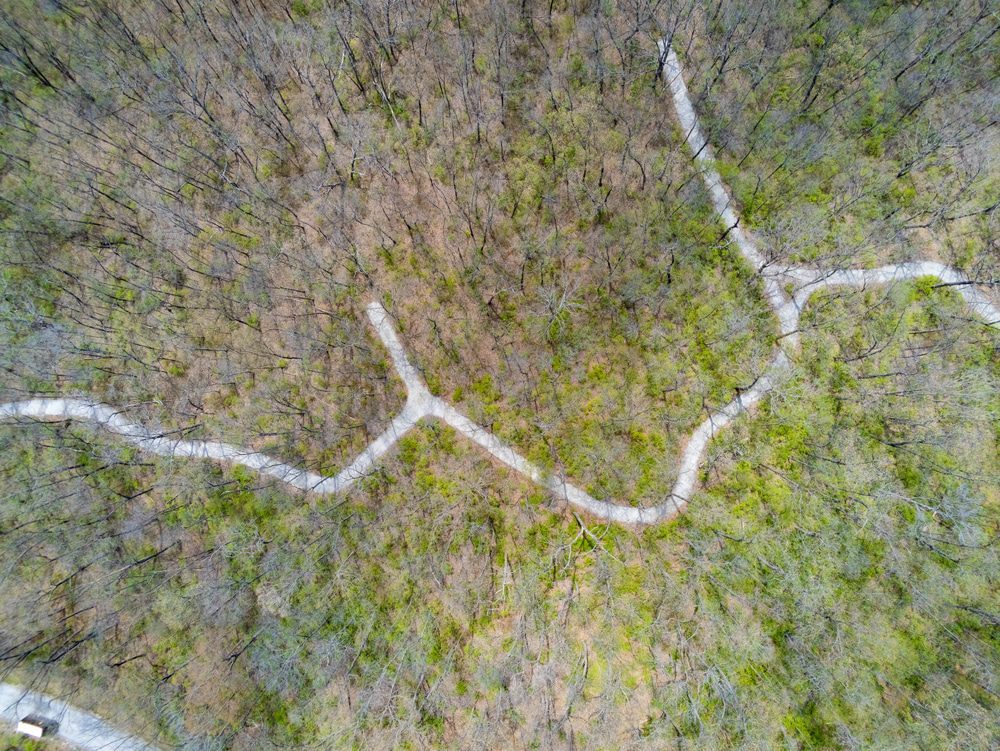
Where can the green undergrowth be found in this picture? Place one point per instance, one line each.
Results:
(833, 587)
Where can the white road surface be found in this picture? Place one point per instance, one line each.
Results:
(803, 281)
(89, 732)
(421, 404)
(77, 727)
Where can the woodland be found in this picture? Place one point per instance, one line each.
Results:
(198, 200)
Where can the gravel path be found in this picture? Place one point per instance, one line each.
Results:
(788, 308)
(89, 732)
(420, 403)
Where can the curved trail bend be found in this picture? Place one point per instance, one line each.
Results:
(420, 403)
(804, 281)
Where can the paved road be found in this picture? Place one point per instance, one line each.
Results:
(420, 403)
(80, 728)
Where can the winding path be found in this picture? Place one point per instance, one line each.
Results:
(803, 281)
(420, 403)
(80, 728)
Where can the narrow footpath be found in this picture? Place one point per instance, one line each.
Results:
(420, 403)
